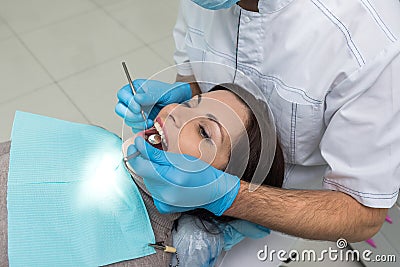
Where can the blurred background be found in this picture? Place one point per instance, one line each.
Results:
(63, 58)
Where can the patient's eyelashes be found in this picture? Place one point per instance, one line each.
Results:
(203, 132)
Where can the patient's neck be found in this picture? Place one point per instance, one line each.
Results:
(251, 5)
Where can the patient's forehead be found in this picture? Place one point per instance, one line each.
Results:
(221, 95)
(228, 109)
(223, 101)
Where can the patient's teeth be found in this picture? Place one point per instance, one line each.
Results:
(161, 133)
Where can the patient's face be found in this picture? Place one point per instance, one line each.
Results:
(205, 127)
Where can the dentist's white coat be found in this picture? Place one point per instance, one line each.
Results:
(331, 72)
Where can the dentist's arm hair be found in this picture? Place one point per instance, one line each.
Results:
(311, 214)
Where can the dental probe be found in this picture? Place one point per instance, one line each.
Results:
(128, 76)
(133, 89)
(154, 139)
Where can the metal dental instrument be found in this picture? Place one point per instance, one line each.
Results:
(128, 76)
(134, 155)
(133, 89)
(154, 138)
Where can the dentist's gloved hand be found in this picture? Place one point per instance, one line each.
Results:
(152, 96)
(180, 183)
(235, 231)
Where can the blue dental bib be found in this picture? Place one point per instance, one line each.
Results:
(70, 200)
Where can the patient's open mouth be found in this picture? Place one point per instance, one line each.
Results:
(156, 137)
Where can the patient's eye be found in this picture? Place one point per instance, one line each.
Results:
(203, 132)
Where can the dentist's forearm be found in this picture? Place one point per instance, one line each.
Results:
(312, 214)
(190, 80)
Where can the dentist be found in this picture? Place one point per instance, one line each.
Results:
(330, 70)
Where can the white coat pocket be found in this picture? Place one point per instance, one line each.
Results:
(299, 123)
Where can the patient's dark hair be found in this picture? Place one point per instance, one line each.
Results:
(257, 113)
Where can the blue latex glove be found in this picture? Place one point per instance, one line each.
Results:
(180, 183)
(152, 96)
(235, 231)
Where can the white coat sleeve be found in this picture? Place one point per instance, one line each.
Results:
(181, 57)
(362, 141)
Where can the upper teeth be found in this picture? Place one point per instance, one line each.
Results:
(161, 133)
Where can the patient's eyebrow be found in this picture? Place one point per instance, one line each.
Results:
(214, 119)
(188, 105)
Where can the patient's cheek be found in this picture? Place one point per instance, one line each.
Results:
(190, 147)
(208, 151)
(205, 151)
(190, 143)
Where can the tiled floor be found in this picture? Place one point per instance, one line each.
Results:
(63, 58)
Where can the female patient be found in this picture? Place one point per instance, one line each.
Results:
(214, 127)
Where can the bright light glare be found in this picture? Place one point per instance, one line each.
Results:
(100, 186)
(104, 177)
